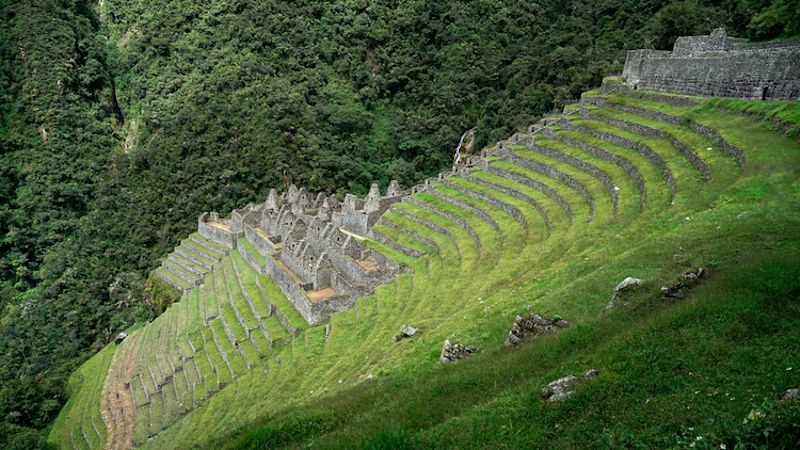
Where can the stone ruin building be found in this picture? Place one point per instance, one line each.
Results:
(314, 246)
(717, 65)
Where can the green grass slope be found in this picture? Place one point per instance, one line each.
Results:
(532, 230)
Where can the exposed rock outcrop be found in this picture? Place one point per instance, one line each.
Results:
(406, 331)
(535, 325)
(562, 387)
(687, 281)
(625, 285)
(453, 352)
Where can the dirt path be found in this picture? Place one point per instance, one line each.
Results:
(118, 409)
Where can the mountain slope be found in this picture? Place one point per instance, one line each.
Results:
(704, 187)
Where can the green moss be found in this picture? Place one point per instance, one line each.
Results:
(160, 294)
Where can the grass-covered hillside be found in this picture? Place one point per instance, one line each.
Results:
(120, 120)
(645, 186)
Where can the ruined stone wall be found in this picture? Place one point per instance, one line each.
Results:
(717, 65)
(216, 229)
(313, 246)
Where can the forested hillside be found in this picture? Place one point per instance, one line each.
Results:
(121, 121)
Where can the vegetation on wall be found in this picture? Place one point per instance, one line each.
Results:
(120, 123)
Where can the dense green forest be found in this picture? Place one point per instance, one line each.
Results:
(122, 120)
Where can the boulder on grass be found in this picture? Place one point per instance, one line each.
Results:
(562, 388)
(406, 331)
(625, 285)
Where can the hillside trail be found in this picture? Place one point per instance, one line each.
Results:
(118, 409)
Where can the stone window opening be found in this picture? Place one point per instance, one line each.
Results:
(764, 93)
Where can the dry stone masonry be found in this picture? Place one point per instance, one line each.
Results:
(535, 325)
(455, 351)
(687, 281)
(718, 65)
(312, 246)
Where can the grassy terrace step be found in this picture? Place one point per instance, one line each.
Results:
(172, 279)
(486, 234)
(528, 202)
(504, 222)
(648, 114)
(460, 201)
(247, 277)
(222, 369)
(188, 264)
(208, 297)
(490, 197)
(580, 165)
(206, 381)
(629, 198)
(428, 220)
(672, 113)
(599, 155)
(201, 249)
(553, 172)
(662, 154)
(444, 247)
(191, 253)
(553, 214)
(622, 121)
(511, 172)
(471, 288)
(558, 191)
(181, 272)
(85, 387)
(657, 191)
(227, 351)
(405, 227)
(535, 218)
(245, 245)
(441, 213)
(445, 264)
(234, 326)
(243, 308)
(555, 220)
(209, 244)
(389, 238)
(396, 238)
(276, 330)
(281, 306)
(601, 202)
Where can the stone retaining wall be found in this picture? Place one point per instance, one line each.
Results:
(715, 65)
(513, 193)
(451, 217)
(605, 155)
(555, 174)
(510, 209)
(643, 130)
(535, 184)
(629, 144)
(580, 165)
